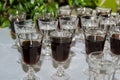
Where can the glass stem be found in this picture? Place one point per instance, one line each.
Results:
(60, 70)
(31, 73)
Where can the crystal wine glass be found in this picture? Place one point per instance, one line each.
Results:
(60, 45)
(30, 44)
(46, 25)
(16, 16)
(23, 26)
(115, 46)
(69, 23)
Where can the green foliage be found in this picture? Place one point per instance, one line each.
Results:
(28, 6)
(83, 3)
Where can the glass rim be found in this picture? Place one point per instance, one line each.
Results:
(36, 33)
(47, 20)
(28, 22)
(63, 32)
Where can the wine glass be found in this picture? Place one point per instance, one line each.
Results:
(30, 44)
(115, 45)
(94, 37)
(93, 34)
(101, 66)
(65, 11)
(46, 25)
(23, 26)
(82, 11)
(16, 16)
(60, 45)
(69, 23)
(106, 23)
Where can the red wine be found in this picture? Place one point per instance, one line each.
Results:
(60, 48)
(94, 43)
(115, 44)
(103, 14)
(31, 52)
(118, 11)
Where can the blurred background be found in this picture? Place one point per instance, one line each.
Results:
(30, 7)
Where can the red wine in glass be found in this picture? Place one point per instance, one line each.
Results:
(94, 43)
(60, 48)
(31, 52)
(115, 44)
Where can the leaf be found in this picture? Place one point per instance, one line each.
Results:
(1, 6)
(11, 2)
(5, 24)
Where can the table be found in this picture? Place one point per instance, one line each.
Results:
(10, 69)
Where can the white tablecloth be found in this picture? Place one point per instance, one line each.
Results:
(10, 69)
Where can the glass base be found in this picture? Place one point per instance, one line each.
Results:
(58, 77)
(35, 78)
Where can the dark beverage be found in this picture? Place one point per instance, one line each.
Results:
(103, 14)
(46, 31)
(115, 44)
(31, 52)
(118, 11)
(60, 48)
(94, 43)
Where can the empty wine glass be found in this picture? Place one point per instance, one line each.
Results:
(60, 45)
(30, 44)
(16, 16)
(46, 25)
(101, 66)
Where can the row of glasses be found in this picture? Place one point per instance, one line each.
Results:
(31, 44)
(108, 67)
(111, 32)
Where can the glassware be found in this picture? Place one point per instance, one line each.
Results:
(82, 11)
(46, 25)
(17, 16)
(60, 45)
(101, 66)
(23, 26)
(30, 44)
(94, 35)
(115, 45)
(65, 11)
(106, 23)
(69, 23)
